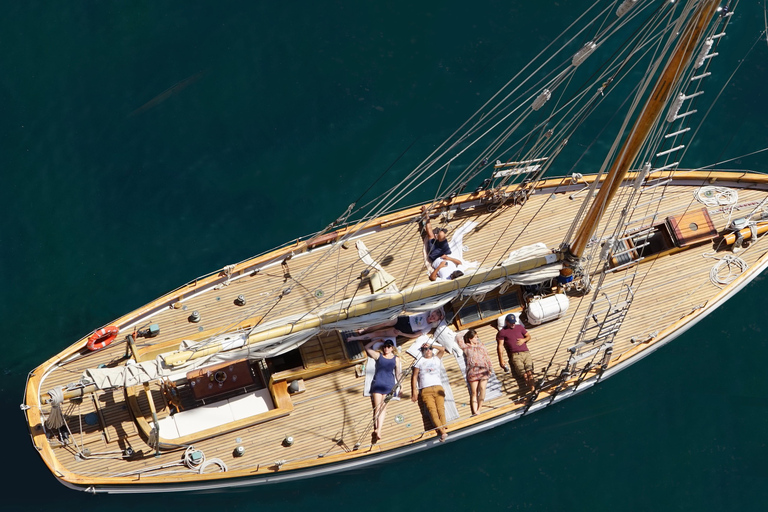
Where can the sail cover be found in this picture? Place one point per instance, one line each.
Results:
(234, 346)
(122, 376)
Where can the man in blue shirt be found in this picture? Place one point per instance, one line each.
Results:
(437, 242)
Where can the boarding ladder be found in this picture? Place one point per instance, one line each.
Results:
(615, 289)
(607, 310)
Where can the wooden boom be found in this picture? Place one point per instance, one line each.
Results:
(414, 293)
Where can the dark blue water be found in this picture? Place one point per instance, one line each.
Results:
(146, 143)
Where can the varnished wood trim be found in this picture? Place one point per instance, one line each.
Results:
(280, 397)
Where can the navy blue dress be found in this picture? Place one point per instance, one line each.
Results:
(384, 375)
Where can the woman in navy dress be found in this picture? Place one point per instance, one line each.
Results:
(385, 377)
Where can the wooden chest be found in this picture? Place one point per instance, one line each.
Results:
(220, 378)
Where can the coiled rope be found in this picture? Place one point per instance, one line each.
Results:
(716, 196)
(199, 466)
(727, 269)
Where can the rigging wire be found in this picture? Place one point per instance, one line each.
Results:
(619, 228)
(397, 197)
(385, 205)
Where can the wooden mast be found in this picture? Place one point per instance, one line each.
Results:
(642, 127)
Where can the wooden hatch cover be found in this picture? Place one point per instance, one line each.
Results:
(691, 227)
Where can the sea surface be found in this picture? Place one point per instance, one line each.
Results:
(144, 144)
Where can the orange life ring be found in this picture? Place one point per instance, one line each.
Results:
(102, 337)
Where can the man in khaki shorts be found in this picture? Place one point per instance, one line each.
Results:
(513, 337)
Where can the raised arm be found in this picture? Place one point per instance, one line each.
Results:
(440, 351)
(373, 354)
(433, 275)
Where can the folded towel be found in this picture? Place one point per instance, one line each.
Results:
(387, 281)
(457, 240)
(415, 348)
(446, 336)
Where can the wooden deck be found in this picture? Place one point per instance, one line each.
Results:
(332, 417)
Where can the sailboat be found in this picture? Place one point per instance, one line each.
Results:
(256, 373)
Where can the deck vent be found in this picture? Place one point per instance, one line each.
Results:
(196, 457)
(195, 317)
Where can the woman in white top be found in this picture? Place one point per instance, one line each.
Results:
(410, 326)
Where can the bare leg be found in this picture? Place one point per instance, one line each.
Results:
(388, 332)
(473, 407)
(481, 393)
(377, 327)
(529, 380)
(379, 413)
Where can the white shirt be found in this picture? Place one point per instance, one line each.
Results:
(448, 269)
(419, 322)
(429, 372)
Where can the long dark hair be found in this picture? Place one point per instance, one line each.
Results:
(469, 335)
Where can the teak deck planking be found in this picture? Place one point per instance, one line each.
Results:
(332, 415)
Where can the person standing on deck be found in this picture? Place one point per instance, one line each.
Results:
(427, 387)
(385, 378)
(514, 338)
(479, 368)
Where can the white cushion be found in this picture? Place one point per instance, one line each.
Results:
(168, 428)
(251, 404)
(217, 414)
(202, 418)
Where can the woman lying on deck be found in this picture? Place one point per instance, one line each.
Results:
(386, 376)
(410, 326)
